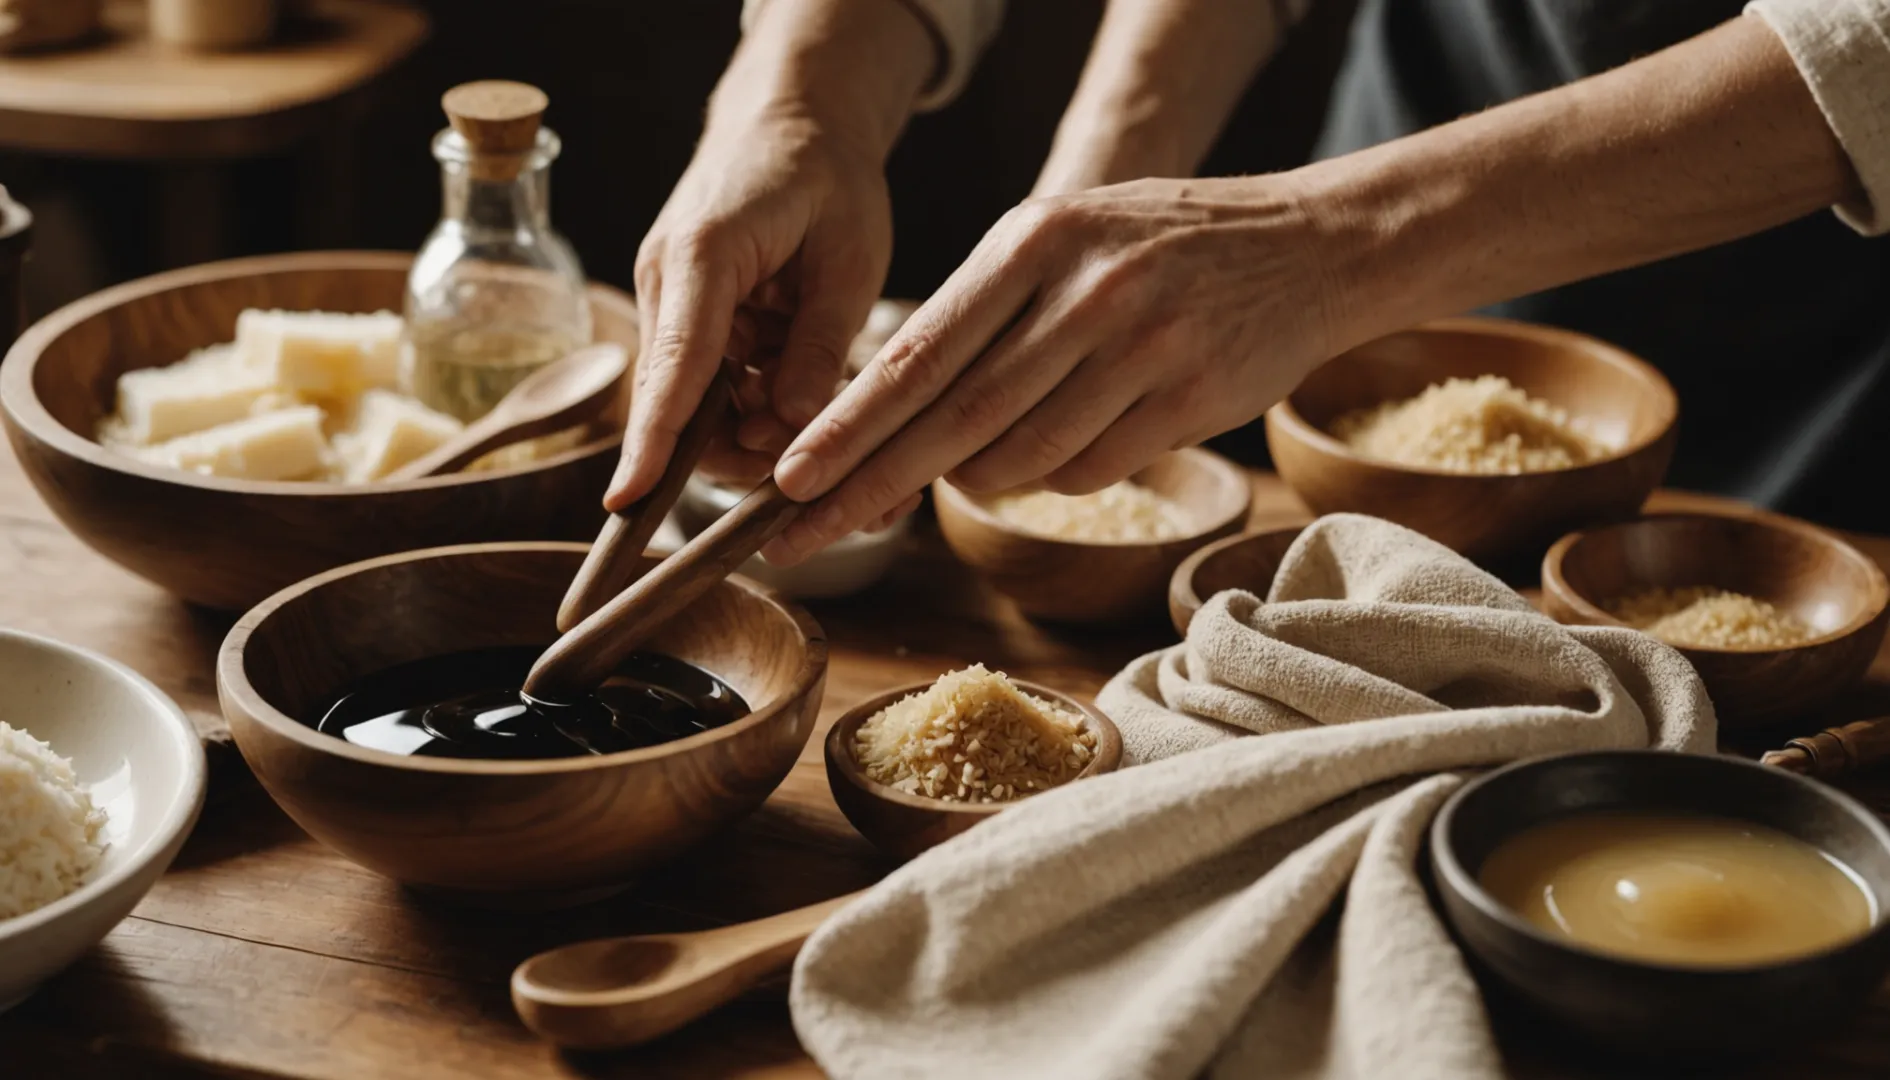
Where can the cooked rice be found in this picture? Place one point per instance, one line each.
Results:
(973, 736)
(49, 829)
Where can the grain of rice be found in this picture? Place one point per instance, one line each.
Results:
(1706, 617)
(1123, 512)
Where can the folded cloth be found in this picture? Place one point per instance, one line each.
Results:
(1182, 917)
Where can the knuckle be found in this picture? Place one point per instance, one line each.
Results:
(979, 408)
(910, 358)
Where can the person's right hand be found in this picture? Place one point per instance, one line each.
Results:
(775, 221)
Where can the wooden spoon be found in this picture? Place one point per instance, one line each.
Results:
(612, 561)
(584, 657)
(615, 992)
(553, 398)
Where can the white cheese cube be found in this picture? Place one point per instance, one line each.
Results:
(321, 354)
(201, 391)
(284, 445)
(387, 431)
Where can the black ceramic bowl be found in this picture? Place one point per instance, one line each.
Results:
(1645, 1008)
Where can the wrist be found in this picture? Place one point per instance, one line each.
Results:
(849, 69)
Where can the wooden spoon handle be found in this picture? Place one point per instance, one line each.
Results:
(479, 438)
(615, 992)
(614, 558)
(1836, 751)
(580, 660)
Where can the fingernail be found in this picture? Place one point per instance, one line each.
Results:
(798, 476)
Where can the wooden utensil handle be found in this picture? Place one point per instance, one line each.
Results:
(613, 561)
(580, 660)
(1836, 751)
(600, 995)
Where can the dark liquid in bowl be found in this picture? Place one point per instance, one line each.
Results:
(468, 705)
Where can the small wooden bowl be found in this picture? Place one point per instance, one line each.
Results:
(1247, 561)
(1641, 1007)
(506, 833)
(904, 825)
(1088, 582)
(229, 543)
(1625, 401)
(1799, 568)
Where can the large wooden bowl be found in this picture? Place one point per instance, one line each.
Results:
(1075, 581)
(1488, 518)
(902, 824)
(1829, 585)
(229, 543)
(521, 833)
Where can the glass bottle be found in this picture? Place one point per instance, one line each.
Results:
(495, 293)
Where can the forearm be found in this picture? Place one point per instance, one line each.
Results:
(853, 68)
(1159, 84)
(1709, 141)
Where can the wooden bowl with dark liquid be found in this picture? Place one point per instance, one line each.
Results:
(506, 833)
(1687, 1014)
(227, 543)
(1625, 402)
(1830, 586)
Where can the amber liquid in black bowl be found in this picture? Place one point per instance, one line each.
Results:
(468, 705)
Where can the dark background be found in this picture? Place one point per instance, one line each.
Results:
(628, 81)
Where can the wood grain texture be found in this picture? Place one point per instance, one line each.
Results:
(1247, 561)
(1805, 571)
(616, 992)
(905, 825)
(130, 97)
(1834, 752)
(1074, 582)
(1488, 518)
(264, 953)
(228, 543)
(538, 832)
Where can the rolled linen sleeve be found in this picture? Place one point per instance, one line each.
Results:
(960, 30)
(1842, 48)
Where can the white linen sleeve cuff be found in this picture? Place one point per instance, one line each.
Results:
(960, 30)
(1842, 48)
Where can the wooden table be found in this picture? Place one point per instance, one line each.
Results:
(262, 954)
(125, 97)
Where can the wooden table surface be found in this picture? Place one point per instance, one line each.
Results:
(262, 954)
(125, 96)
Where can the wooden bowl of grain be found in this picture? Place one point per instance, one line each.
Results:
(903, 824)
(227, 543)
(1622, 404)
(1064, 578)
(1825, 604)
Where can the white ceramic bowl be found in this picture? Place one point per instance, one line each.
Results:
(137, 754)
(842, 568)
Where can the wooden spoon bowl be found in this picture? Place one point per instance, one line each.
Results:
(229, 543)
(1247, 561)
(1622, 399)
(506, 833)
(1803, 570)
(1076, 581)
(904, 825)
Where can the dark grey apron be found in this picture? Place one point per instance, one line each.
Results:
(1778, 344)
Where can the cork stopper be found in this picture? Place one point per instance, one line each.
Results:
(499, 121)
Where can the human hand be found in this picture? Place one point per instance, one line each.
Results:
(1086, 335)
(772, 247)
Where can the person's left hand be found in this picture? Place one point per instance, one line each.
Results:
(1086, 335)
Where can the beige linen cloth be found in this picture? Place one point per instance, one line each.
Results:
(1180, 917)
